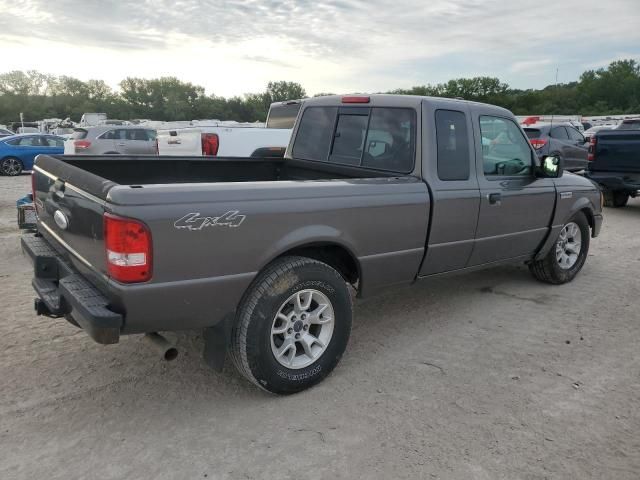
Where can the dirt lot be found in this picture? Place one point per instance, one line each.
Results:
(485, 376)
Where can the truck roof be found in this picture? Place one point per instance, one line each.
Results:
(408, 101)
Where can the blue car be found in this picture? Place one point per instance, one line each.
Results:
(17, 152)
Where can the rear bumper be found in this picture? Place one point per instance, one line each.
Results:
(616, 182)
(62, 291)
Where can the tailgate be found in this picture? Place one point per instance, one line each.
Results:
(187, 142)
(69, 214)
(617, 151)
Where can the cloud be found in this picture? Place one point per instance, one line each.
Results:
(330, 45)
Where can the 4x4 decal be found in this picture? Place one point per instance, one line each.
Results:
(193, 221)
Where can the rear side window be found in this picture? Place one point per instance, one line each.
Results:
(79, 134)
(110, 135)
(314, 134)
(453, 145)
(532, 133)
(380, 138)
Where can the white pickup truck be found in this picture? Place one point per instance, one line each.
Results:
(232, 139)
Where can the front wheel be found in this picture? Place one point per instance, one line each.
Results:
(293, 325)
(11, 167)
(567, 256)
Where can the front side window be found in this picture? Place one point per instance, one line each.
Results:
(575, 135)
(29, 142)
(453, 145)
(559, 132)
(505, 150)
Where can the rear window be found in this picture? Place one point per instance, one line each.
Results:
(79, 134)
(380, 138)
(283, 116)
(314, 134)
(532, 132)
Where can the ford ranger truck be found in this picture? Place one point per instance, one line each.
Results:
(263, 254)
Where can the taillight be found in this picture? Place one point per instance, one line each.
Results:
(128, 247)
(538, 143)
(210, 144)
(81, 144)
(591, 155)
(33, 190)
(355, 99)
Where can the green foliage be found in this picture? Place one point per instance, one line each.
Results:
(615, 89)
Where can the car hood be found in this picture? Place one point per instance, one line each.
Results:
(573, 180)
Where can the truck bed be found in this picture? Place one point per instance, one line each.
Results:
(97, 174)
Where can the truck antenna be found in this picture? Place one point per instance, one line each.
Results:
(556, 89)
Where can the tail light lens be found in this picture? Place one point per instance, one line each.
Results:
(355, 99)
(591, 155)
(210, 144)
(81, 144)
(128, 248)
(33, 190)
(538, 143)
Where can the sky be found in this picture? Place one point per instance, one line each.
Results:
(236, 46)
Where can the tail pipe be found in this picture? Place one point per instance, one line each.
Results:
(167, 350)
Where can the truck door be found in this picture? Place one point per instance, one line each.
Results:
(516, 207)
(449, 167)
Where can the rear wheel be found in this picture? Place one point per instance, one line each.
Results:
(567, 256)
(11, 166)
(616, 199)
(292, 326)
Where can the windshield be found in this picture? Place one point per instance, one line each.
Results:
(282, 115)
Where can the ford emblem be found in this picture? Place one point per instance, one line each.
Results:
(61, 219)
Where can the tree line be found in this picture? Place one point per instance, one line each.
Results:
(611, 90)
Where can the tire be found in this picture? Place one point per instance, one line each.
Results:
(615, 198)
(11, 166)
(271, 305)
(558, 266)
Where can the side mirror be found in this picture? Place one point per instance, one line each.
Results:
(552, 167)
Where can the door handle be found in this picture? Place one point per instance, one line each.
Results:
(494, 198)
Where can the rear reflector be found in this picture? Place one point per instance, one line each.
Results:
(81, 144)
(591, 155)
(356, 99)
(210, 144)
(538, 143)
(128, 249)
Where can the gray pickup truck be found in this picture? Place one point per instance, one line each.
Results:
(264, 254)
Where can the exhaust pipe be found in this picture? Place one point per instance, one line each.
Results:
(167, 349)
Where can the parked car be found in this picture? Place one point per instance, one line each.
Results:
(629, 124)
(17, 152)
(5, 133)
(562, 141)
(593, 130)
(373, 191)
(614, 163)
(229, 139)
(111, 140)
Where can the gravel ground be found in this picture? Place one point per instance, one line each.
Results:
(490, 375)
